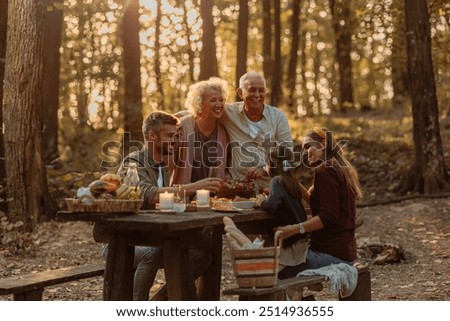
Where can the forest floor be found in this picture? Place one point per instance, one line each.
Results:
(420, 227)
(415, 231)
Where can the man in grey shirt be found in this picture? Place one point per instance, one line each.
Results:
(159, 129)
(254, 128)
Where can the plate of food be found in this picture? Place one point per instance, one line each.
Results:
(228, 207)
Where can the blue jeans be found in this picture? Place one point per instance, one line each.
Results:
(314, 260)
(147, 261)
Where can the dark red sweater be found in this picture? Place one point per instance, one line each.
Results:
(334, 202)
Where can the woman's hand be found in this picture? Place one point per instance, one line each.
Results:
(260, 198)
(287, 231)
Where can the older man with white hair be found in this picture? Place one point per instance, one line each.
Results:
(254, 128)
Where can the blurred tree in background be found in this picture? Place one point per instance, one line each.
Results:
(117, 60)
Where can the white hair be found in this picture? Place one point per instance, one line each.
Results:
(250, 75)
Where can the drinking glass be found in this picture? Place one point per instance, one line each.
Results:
(179, 200)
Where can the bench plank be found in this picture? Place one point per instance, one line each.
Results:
(276, 292)
(31, 286)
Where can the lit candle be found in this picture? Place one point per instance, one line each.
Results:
(202, 198)
(166, 201)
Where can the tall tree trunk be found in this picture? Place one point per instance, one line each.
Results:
(158, 76)
(276, 82)
(306, 106)
(267, 42)
(132, 68)
(340, 10)
(428, 174)
(23, 92)
(50, 82)
(317, 95)
(292, 71)
(208, 56)
(3, 26)
(242, 44)
(190, 52)
(399, 61)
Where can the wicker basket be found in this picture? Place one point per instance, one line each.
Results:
(128, 206)
(256, 268)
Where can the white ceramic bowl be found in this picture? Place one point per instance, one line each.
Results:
(244, 204)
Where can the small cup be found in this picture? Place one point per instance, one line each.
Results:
(213, 171)
(179, 200)
(202, 198)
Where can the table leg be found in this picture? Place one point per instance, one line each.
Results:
(118, 283)
(208, 285)
(177, 268)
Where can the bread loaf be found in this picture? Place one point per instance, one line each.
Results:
(236, 234)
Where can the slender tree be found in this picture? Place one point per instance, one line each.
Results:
(242, 43)
(158, 76)
(208, 57)
(340, 10)
(3, 24)
(190, 52)
(292, 69)
(132, 69)
(276, 71)
(50, 83)
(399, 60)
(267, 41)
(23, 91)
(428, 174)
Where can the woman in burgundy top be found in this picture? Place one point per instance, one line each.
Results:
(332, 200)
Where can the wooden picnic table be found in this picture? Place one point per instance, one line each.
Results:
(175, 234)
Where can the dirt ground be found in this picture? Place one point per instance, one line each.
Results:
(420, 228)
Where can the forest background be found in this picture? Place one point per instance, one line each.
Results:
(79, 74)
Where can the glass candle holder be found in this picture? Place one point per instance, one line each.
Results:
(202, 198)
(166, 201)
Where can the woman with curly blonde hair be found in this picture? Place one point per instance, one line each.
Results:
(201, 150)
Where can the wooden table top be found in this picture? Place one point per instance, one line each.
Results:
(163, 222)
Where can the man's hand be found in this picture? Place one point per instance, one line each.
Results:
(256, 172)
(210, 183)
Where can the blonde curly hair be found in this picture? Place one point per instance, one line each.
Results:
(196, 92)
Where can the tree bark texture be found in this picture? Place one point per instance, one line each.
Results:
(276, 71)
(242, 43)
(208, 56)
(292, 71)
(3, 26)
(50, 83)
(132, 110)
(340, 10)
(428, 174)
(267, 42)
(23, 124)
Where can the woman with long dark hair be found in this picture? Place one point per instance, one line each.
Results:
(332, 200)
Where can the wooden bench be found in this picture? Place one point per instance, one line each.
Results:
(362, 291)
(30, 287)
